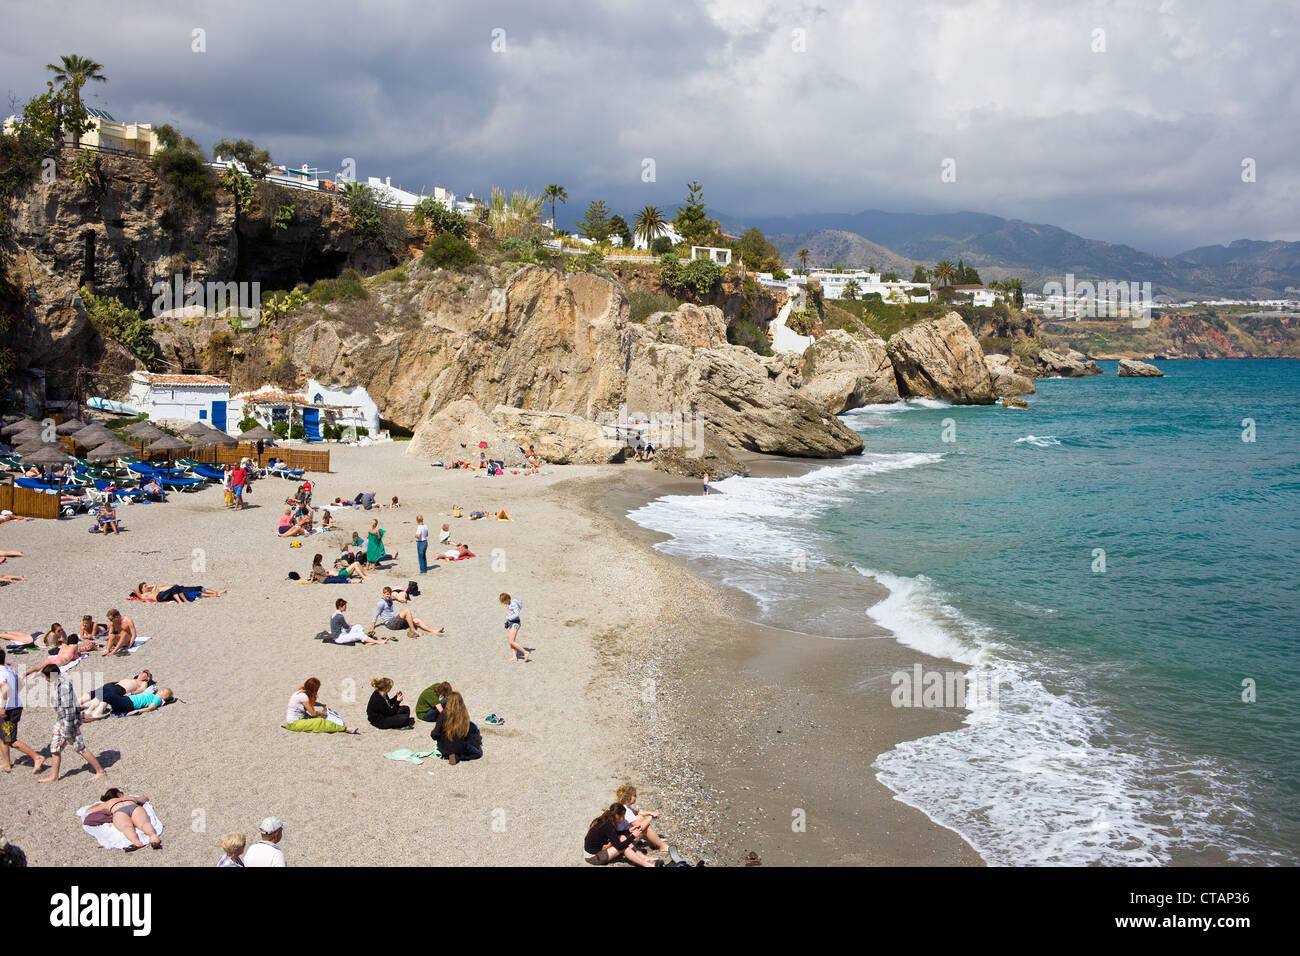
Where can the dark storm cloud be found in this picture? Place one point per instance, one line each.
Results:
(778, 107)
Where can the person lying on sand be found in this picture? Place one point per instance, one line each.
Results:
(178, 593)
(11, 578)
(16, 639)
(456, 553)
(127, 814)
(68, 652)
(396, 620)
(121, 633)
(344, 575)
(6, 555)
(10, 516)
(118, 694)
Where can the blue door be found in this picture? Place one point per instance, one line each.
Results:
(311, 423)
(219, 415)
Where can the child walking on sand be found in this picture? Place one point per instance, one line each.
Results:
(514, 607)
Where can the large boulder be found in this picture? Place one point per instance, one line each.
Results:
(1006, 379)
(1053, 364)
(698, 326)
(941, 359)
(705, 455)
(842, 372)
(1132, 368)
(735, 395)
(558, 438)
(455, 434)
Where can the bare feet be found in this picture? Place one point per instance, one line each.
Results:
(40, 762)
(100, 774)
(45, 779)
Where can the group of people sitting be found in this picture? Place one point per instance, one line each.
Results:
(119, 634)
(458, 738)
(387, 614)
(624, 831)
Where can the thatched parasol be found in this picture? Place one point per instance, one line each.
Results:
(91, 436)
(213, 437)
(70, 426)
(196, 428)
(170, 445)
(19, 426)
(260, 433)
(111, 450)
(145, 431)
(46, 455)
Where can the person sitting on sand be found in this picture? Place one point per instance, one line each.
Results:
(232, 849)
(306, 714)
(634, 816)
(350, 564)
(107, 520)
(385, 712)
(319, 575)
(287, 528)
(90, 630)
(444, 537)
(121, 633)
(606, 843)
(127, 814)
(456, 735)
(430, 702)
(396, 620)
(343, 633)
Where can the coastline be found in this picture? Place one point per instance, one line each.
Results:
(743, 736)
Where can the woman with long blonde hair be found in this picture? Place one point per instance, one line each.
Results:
(455, 734)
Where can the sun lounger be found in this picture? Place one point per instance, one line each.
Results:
(182, 484)
(208, 472)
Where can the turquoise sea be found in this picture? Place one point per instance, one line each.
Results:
(1120, 561)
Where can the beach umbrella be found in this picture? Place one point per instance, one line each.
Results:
(170, 445)
(145, 431)
(46, 456)
(19, 426)
(259, 434)
(111, 450)
(213, 437)
(196, 428)
(70, 426)
(92, 435)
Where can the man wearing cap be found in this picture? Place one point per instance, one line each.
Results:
(266, 851)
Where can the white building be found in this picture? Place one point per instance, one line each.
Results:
(314, 407)
(979, 294)
(195, 398)
(835, 284)
(107, 133)
(720, 255)
(666, 230)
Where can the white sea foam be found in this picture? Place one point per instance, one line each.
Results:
(1035, 776)
(1039, 441)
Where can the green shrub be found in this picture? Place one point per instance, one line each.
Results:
(661, 246)
(448, 252)
(281, 428)
(438, 217)
(780, 275)
(346, 288)
(392, 275)
(644, 303)
(748, 334)
(115, 321)
(247, 424)
(189, 177)
(691, 280)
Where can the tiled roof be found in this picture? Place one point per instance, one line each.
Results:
(156, 379)
(273, 398)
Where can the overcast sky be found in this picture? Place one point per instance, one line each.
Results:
(776, 107)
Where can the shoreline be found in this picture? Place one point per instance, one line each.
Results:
(757, 702)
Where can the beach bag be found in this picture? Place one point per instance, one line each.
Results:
(412, 589)
(455, 512)
(294, 576)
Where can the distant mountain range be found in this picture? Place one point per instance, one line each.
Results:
(1035, 252)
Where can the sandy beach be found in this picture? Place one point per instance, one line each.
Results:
(641, 672)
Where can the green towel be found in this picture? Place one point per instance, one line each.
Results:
(412, 756)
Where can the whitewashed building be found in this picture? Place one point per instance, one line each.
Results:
(195, 398)
(314, 407)
(719, 254)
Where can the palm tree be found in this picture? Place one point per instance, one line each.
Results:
(649, 225)
(552, 193)
(944, 272)
(851, 289)
(803, 259)
(73, 72)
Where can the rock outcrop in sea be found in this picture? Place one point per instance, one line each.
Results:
(941, 359)
(1132, 368)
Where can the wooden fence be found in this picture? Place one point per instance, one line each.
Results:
(28, 503)
(306, 459)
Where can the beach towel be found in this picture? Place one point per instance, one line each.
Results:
(139, 642)
(64, 668)
(110, 837)
(458, 557)
(416, 757)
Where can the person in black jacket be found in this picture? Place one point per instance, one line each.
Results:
(456, 735)
(384, 712)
